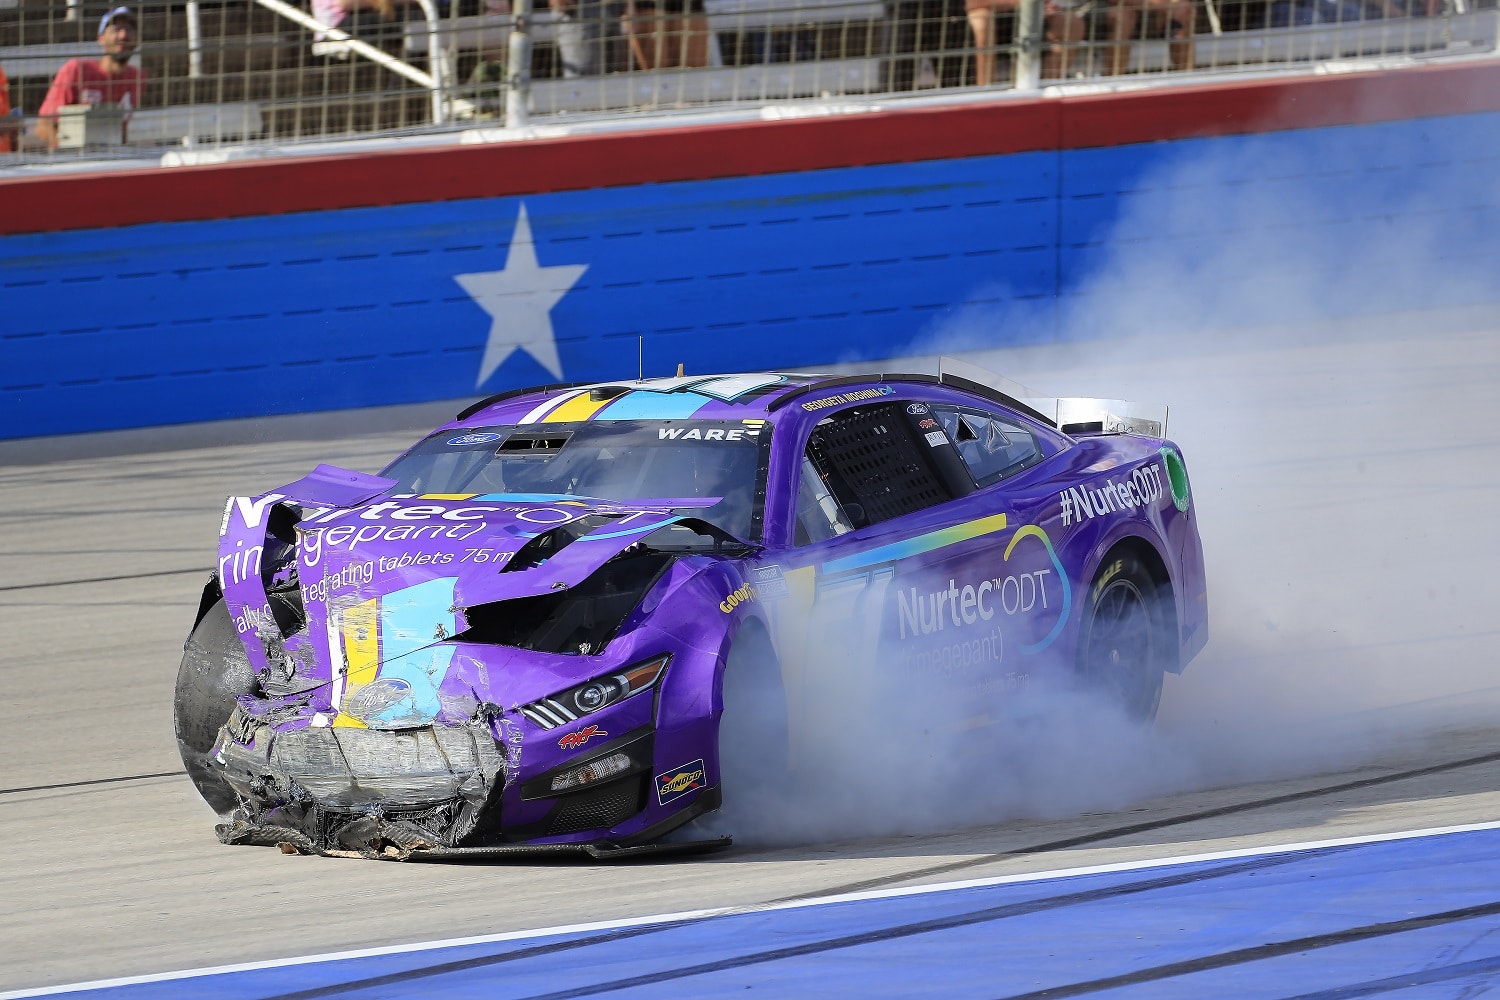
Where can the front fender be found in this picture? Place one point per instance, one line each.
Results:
(702, 615)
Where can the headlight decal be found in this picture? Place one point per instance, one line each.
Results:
(600, 692)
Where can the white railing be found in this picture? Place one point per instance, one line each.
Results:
(433, 82)
(266, 71)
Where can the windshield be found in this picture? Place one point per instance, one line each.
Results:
(718, 460)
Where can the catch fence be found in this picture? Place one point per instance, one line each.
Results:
(275, 72)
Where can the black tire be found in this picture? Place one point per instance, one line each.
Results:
(753, 729)
(214, 672)
(1125, 639)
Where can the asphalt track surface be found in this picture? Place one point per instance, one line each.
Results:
(1347, 502)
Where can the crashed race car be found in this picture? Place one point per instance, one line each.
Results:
(577, 617)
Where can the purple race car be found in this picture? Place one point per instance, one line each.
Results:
(550, 625)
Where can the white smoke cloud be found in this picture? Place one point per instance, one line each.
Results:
(1330, 367)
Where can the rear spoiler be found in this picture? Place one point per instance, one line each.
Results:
(1082, 415)
(1069, 414)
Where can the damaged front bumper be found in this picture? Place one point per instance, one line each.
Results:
(433, 793)
(368, 791)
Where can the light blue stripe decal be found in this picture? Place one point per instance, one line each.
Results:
(642, 405)
(600, 536)
(535, 497)
(733, 387)
(411, 619)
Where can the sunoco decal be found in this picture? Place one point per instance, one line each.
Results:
(676, 783)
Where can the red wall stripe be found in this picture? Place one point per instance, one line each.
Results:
(393, 177)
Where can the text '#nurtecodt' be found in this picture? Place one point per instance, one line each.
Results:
(1141, 488)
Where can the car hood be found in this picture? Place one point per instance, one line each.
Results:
(377, 577)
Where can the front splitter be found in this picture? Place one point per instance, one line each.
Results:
(599, 852)
(648, 842)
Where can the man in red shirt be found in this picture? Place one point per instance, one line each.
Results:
(9, 123)
(110, 80)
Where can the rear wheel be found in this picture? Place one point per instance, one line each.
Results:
(1125, 639)
(214, 672)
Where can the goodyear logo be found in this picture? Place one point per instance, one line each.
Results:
(734, 600)
(677, 782)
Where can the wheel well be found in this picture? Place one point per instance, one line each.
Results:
(750, 630)
(212, 594)
(1145, 553)
(754, 741)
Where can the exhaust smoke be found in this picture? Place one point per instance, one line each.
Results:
(1330, 363)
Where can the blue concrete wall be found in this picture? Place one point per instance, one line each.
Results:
(191, 321)
(1282, 227)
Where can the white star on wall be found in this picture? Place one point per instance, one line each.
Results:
(519, 298)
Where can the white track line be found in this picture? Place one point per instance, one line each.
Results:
(660, 918)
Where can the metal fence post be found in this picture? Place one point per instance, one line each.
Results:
(1028, 45)
(436, 63)
(518, 79)
(195, 40)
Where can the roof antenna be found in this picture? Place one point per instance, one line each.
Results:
(640, 358)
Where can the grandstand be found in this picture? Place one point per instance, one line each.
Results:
(255, 74)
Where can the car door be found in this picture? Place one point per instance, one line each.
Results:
(1025, 581)
(892, 558)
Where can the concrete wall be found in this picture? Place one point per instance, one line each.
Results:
(788, 244)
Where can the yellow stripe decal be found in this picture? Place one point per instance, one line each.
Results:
(580, 407)
(917, 545)
(362, 651)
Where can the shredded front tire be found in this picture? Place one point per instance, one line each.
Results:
(214, 672)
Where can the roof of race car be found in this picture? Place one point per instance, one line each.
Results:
(703, 397)
(700, 397)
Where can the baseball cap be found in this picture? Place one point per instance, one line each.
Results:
(117, 12)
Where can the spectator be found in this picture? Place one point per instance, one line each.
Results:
(10, 125)
(1063, 27)
(668, 33)
(373, 21)
(1128, 19)
(580, 27)
(929, 40)
(109, 80)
